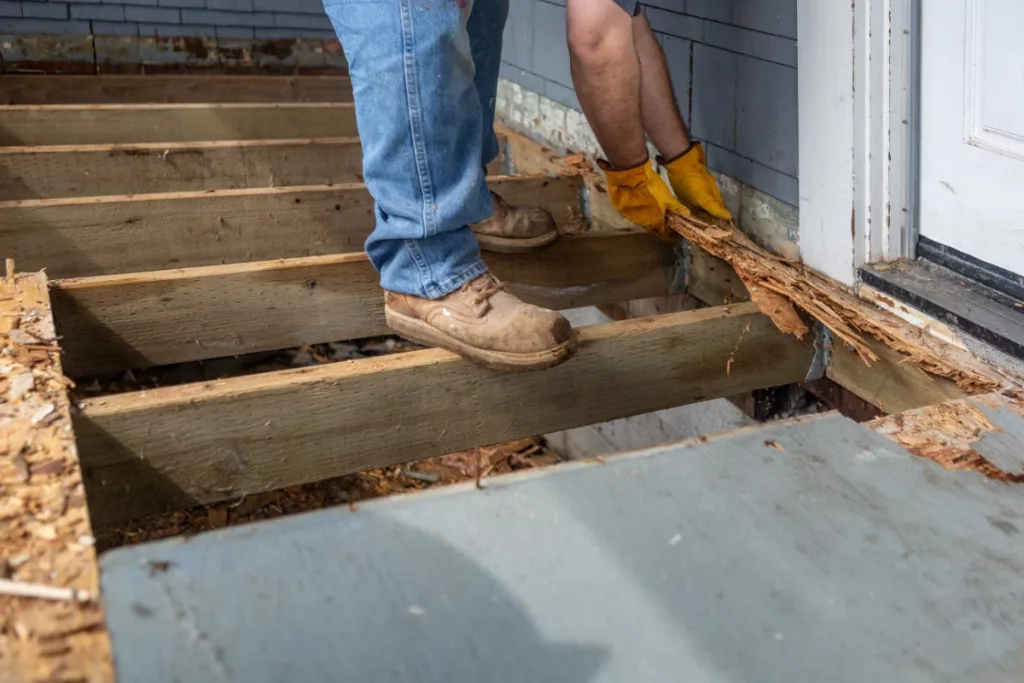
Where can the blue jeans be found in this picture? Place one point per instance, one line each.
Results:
(425, 77)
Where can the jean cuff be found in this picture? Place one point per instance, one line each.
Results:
(452, 283)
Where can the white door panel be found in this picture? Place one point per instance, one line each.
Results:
(972, 128)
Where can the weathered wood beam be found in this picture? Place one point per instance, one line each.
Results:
(45, 534)
(123, 124)
(179, 446)
(86, 236)
(91, 170)
(890, 383)
(118, 89)
(116, 322)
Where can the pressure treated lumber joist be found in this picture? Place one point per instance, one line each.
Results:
(92, 170)
(86, 236)
(890, 383)
(173, 447)
(113, 323)
(97, 124)
(45, 532)
(154, 88)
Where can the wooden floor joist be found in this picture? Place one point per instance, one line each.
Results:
(79, 237)
(173, 447)
(18, 89)
(98, 124)
(117, 322)
(93, 170)
(46, 541)
(891, 383)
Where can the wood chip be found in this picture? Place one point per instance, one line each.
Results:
(34, 590)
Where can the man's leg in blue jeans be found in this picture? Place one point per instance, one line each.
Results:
(421, 126)
(512, 229)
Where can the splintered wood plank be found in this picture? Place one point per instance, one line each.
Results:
(98, 124)
(45, 536)
(117, 322)
(168, 448)
(777, 284)
(982, 433)
(91, 170)
(117, 89)
(119, 234)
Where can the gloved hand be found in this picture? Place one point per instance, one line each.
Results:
(689, 177)
(642, 197)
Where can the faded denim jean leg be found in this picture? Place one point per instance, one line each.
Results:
(425, 115)
(486, 31)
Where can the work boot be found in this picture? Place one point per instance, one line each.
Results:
(515, 229)
(482, 322)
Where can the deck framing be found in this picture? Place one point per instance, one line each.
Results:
(170, 249)
(180, 446)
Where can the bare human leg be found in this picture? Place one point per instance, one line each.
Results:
(661, 117)
(606, 74)
(682, 159)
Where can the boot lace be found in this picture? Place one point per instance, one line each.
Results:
(484, 290)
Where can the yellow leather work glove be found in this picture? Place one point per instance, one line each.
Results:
(642, 197)
(689, 177)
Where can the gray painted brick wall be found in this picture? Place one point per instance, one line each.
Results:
(168, 18)
(733, 67)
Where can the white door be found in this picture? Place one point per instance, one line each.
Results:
(972, 128)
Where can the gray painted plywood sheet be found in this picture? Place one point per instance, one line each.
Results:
(1003, 447)
(815, 551)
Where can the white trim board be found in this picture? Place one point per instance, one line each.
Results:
(855, 133)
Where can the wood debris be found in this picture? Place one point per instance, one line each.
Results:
(48, 621)
(948, 433)
(778, 285)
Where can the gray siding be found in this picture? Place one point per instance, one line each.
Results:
(199, 18)
(733, 65)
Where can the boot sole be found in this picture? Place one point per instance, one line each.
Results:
(509, 245)
(416, 330)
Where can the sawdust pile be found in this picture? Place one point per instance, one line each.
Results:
(45, 543)
(776, 284)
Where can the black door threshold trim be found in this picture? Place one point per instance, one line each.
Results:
(980, 311)
(990, 275)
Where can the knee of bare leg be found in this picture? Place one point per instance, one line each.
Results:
(594, 43)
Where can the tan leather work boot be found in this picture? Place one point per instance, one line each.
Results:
(484, 323)
(515, 229)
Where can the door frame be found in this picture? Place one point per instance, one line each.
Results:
(859, 137)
